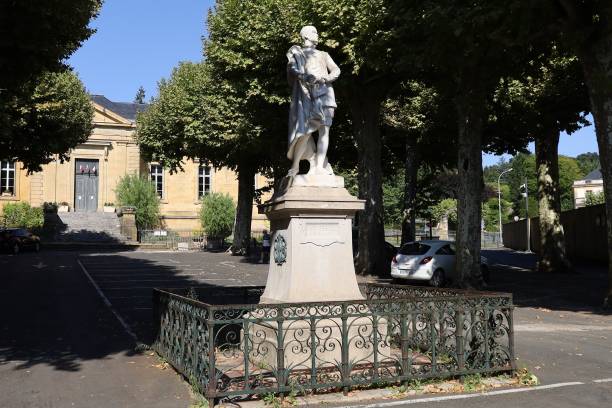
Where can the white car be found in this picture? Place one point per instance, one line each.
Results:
(432, 261)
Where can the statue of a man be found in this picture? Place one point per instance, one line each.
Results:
(310, 72)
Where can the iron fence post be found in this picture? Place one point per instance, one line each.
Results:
(280, 354)
(313, 351)
(486, 337)
(156, 315)
(211, 390)
(404, 344)
(432, 329)
(460, 339)
(511, 337)
(246, 352)
(344, 352)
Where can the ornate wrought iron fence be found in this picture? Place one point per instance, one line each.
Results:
(396, 334)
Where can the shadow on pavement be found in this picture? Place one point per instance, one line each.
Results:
(515, 272)
(52, 314)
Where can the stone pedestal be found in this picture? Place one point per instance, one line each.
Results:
(311, 258)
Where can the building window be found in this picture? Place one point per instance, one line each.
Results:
(204, 181)
(157, 177)
(7, 178)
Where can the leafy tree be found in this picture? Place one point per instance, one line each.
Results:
(524, 168)
(37, 37)
(140, 95)
(594, 198)
(445, 208)
(491, 41)
(569, 171)
(540, 105)
(586, 27)
(40, 103)
(54, 118)
(416, 131)
(139, 192)
(246, 51)
(249, 38)
(491, 173)
(588, 162)
(217, 215)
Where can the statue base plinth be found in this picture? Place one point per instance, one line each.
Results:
(311, 257)
(318, 180)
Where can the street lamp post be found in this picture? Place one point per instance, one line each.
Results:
(501, 237)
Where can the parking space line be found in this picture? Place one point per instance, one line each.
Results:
(108, 304)
(603, 380)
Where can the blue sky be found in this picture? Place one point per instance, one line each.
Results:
(138, 42)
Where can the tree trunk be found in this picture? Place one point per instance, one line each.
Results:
(552, 254)
(411, 167)
(597, 64)
(244, 210)
(365, 109)
(470, 110)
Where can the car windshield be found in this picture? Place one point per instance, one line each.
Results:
(414, 248)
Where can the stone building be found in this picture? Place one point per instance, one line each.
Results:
(591, 183)
(87, 181)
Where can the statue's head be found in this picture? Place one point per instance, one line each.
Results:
(309, 33)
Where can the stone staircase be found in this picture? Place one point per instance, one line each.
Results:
(91, 227)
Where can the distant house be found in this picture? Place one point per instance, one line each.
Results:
(88, 180)
(591, 183)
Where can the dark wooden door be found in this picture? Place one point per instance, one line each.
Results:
(86, 185)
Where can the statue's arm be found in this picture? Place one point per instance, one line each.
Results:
(292, 67)
(334, 71)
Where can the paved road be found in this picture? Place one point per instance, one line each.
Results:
(62, 345)
(561, 332)
(127, 279)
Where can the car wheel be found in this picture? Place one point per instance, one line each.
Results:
(37, 247)
(486, 276)
(15, 249)
(437, 279)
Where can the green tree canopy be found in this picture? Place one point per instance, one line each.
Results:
(51, 120)
(588, 162)
(38, 36)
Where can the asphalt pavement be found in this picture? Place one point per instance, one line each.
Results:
(62, 345)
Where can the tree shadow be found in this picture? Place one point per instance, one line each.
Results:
(53, 316)
(516, 273)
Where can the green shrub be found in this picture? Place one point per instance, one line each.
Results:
(139, 193)
(595, 198)
(217, 215)
(22, 215)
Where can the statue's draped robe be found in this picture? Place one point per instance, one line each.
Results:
(312, 105)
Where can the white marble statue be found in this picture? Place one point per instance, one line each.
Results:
(310, 72)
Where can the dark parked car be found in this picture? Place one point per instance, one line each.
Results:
(17, 239)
